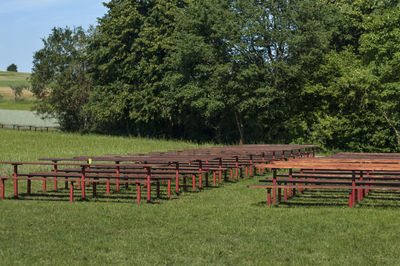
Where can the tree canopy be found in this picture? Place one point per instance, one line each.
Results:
(12, 68)
(231, 71)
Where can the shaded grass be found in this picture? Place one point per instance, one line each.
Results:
(224, 226)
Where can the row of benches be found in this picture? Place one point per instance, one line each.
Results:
(143, 170)
(358, 176)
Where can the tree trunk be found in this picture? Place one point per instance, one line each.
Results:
(239, 125)
(394, 128)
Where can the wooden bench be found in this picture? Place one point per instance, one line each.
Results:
(358, 178)
(71, 186)
(101, 178)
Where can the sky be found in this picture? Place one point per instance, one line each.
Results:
(24, 23)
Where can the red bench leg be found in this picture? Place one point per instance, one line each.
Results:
(220, 176)
(83, 187)
(360, 192)
(177, 184)
(274, 195)
(169, 187)
(2, 193)
(200, 181)
(117, 185)
(71, 192)
(148, 192)
(44, 186)
(138, 187)
(55, 184)
(214, 179)
(108, 186)
(16, 188)
(193, 182)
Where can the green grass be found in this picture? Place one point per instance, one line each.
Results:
(21, 104)
(18, 78)
(230, 225)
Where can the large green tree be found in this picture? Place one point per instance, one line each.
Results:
(238, 66)
(356, 88)
(127, 55)
(59, 77)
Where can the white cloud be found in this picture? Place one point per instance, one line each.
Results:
(12, 6)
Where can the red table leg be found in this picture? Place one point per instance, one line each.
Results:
(71, 192)
(2, 192)
(169, 187)
(138, 193)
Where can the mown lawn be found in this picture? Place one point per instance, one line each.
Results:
(230, 225)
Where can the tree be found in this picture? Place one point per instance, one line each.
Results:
(17, 90)
(380, 50)
(238, 66)
(354, 91)
(12, 68)
(127, 56)
(59, 77)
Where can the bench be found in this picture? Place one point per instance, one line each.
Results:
(71, 186)
(359, 182)
(102, 178)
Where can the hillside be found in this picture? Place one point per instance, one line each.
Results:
(25, 101)
(7, 78)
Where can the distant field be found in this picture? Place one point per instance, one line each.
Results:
(24, 118)
(8, 78)
(25, 102)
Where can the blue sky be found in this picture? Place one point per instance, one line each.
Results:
(24, 23)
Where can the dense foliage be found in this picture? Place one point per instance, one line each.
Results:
(231, 71)
(59, 77)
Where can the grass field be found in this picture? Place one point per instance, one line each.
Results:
(21, 104)
(230, 225)
(25, 118)
(25, 102)
(18, 78)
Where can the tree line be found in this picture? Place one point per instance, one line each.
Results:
(230, 71)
